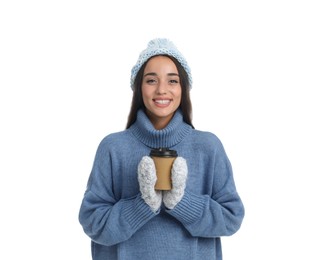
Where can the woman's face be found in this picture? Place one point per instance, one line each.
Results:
(161, 90)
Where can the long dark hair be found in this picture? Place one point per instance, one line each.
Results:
(137, 101)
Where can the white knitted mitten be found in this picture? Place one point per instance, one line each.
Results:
(147, 179)
(179, 176)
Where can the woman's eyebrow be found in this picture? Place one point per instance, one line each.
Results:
(155, 74)
(150, 74)
(173, 74)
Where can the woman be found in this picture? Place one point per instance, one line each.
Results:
(122, 213)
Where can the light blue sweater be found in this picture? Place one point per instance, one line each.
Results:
(122, 226)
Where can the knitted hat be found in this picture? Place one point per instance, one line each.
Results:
(160, 46)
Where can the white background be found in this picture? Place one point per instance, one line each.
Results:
(258, 69)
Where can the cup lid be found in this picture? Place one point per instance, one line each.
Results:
(163, 152)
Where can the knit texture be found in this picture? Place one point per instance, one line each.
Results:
(119, 221)
(170, 136)
(178, 176)
(160, 46)
(147, 179)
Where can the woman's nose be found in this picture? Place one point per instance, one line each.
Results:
(162, 88)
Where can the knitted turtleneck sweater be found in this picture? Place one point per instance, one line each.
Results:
(122, 226)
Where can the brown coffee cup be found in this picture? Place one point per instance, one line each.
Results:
(163, 158)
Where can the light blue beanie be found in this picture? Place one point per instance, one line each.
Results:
(160, 46)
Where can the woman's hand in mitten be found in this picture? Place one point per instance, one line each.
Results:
(178, 176)
(147, 179)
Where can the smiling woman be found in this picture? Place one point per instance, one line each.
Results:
(160, 48)
(161, 90)
(122, 211)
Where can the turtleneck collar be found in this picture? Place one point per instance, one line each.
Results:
(168, 137)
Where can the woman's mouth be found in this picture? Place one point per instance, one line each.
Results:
(162, 102)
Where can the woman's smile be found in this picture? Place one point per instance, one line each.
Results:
(162, 102)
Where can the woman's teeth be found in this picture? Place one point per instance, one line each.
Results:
(164, 101)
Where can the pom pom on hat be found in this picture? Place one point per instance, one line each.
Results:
(160, 46)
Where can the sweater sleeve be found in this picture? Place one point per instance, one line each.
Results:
(105, 219)
(214, 214)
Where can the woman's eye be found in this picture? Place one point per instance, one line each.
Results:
(173, 81)
(151, 81)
